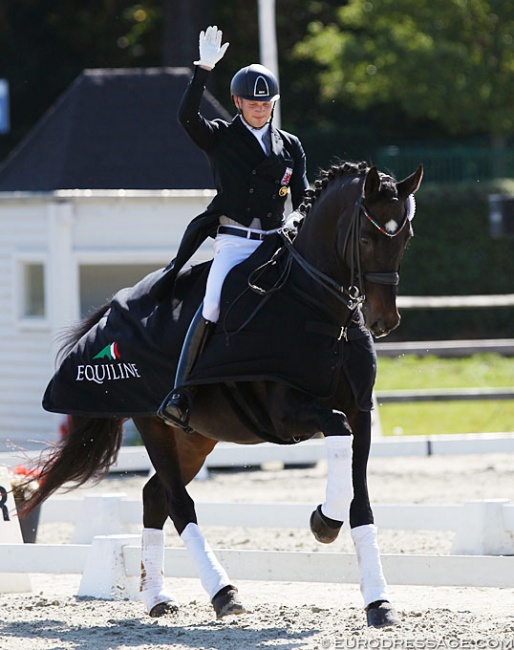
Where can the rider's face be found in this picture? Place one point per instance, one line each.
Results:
(255, 113)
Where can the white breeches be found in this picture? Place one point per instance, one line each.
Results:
(228, 251)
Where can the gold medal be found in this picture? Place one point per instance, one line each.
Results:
(283, 190)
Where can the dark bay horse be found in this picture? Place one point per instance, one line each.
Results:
(344, 261)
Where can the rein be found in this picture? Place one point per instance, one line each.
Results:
(351, 297)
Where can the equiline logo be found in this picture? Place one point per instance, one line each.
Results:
(105, 371)
(109, 352)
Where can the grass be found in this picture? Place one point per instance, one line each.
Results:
(428, 418)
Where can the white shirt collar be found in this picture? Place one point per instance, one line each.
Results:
(261, 134)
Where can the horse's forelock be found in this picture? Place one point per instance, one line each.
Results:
(388, 186)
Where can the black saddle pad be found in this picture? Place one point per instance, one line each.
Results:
(276, 335)
(126, 363)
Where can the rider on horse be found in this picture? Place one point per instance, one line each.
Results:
(254, 166)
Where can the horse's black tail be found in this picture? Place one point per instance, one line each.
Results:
(85, 453)
(73, 334)
(90, 446)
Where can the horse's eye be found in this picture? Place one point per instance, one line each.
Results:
(364, 241)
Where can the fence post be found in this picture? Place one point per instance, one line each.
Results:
(98, 515)
(10, 533)
(104, 574)
(480, 530)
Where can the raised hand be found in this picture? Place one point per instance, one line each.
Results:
(211, 49)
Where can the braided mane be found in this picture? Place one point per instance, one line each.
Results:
(335, 171)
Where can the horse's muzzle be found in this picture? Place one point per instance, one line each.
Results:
(380, 325)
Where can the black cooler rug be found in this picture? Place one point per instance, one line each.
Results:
(125, 365)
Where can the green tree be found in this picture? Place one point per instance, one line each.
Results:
(448, 61)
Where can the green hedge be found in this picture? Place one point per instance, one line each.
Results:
(453, 253)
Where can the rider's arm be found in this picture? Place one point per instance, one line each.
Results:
(199, 129)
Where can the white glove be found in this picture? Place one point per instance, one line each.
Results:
(211, 50)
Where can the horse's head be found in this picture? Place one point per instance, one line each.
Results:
(386, 209)
(371, 213)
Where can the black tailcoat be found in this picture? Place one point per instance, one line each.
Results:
(249, 183)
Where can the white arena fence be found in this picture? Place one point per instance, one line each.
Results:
(479, 527)
(456, 302)
(109, 565)
(229, 455)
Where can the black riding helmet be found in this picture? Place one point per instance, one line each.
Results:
(255, 82)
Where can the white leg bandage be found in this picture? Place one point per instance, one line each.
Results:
(152, 569)
(212, 574)
(339, 493)
(372, 582)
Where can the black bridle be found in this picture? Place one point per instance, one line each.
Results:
(351, 250)
(351, 297)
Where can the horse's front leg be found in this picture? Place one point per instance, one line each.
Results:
(177, 457)
(327, 519)
(373, 585)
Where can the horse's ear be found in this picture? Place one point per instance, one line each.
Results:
(371, 183)
(410, 184)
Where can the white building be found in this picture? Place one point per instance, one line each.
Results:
(63, 250)
(61, 255)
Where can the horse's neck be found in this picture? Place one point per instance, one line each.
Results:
(320, 241)
(320, 238)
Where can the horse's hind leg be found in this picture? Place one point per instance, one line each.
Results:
(157, 601)
(177, 457)
(380, 612)
(192, 450)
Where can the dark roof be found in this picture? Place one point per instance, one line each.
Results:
(113, 129)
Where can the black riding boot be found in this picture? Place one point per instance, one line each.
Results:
(176, 407)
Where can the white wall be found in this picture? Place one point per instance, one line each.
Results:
(64, 230)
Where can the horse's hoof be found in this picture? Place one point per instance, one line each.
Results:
(163, 609)
(381, 614)
(324, 529)
(227, 602)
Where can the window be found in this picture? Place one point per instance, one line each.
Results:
(99, 282)
(33, 290)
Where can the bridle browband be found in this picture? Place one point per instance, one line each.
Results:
(367, 215)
